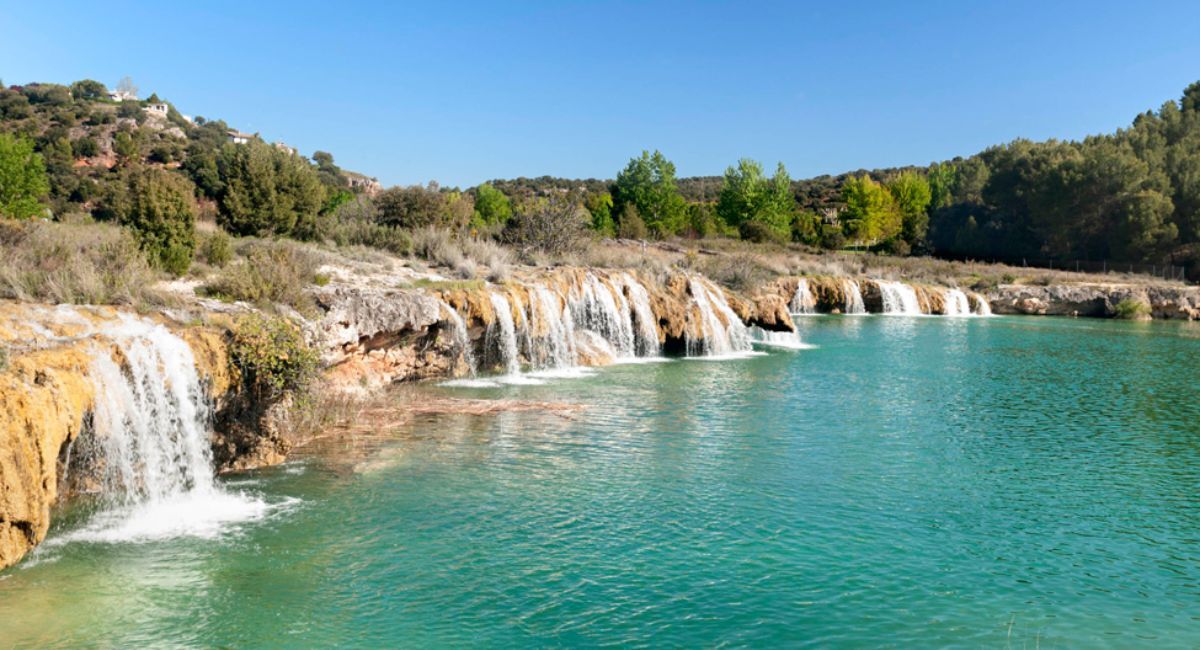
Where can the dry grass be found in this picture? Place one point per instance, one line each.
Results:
(85, 263)
(269, 273)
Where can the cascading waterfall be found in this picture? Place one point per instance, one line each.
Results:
(645, 325)
(982, 308)
(854, 300)
(803, 301)
(147, 446)
(605, 312)
(899, 298)
(721, 331)
(462, 339)
(502, 334)
(557, 349)
(955, 303)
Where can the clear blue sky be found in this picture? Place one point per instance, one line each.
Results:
(466, 92)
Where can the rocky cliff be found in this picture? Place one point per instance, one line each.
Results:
(1097, 300)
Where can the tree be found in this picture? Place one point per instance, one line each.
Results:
(88, 89)
(630, 225)
(158, 207)
(913, 196)
(125, 146)
(266, 191)
(871, 214)
(125, 86)
(648, 183)
(554, 225)
(600, 205)
(492, 207)
(23, 182)
(760, 209)
(410, 207)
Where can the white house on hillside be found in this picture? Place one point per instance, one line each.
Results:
(122, 96)
(237, 137)
(158, 109)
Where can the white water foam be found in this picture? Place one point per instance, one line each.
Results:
(899, 298)
(955, 303)
(803, 301)
(854, 301)
(982, 308)
(148, 443)
(722, 333)
(783, 340)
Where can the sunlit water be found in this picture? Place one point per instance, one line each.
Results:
(908, 482)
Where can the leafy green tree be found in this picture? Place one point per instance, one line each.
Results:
(159, 208)
(23, 182)
(492, 207)
(913, 196)
(600, 205)
(871, 214)
(266, 191)
(631, 225)
(759, 208)
(89, 89)
(410, 207)
(125, 145)
(648, 184)
(942, 177)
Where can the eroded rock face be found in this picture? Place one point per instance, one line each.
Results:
(1095, 300)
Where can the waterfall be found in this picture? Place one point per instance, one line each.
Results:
(150, 421)
(146, 448)
(605, 312)
(721, 332)
(898, 298)
(557, 349)
(462, 339)
(982, 308)
(785, 340)
(803, 301)
(854, 300)
(955, 303)
(645, 325)
(503, 334)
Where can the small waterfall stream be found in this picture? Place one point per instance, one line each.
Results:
(803, 301)
(854, 300)
(899, 298)
(982, 308)
(503, 334)
(722, 333)
(955, 303)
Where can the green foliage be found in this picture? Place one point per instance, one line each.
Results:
(89, 89)
(703, 221)
(85, 147)
(272, 273)
(264, 191)
(272, 356)
(600, 206)
(1131, 309)
(913, 196)
(759, 208)
(871, 213)
(492, 207)
(215, 248)
(648, 184)
(23, 181)
(410, 207)
(631, 225)
(125, 146)
(158, 208)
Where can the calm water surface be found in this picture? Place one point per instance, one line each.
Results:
(911, 482)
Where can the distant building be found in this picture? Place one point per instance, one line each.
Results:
(237, 137)
(122, 96)
(362, 183)
(158, 109)
(283, 146)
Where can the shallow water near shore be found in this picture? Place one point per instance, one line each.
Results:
(1015, 482)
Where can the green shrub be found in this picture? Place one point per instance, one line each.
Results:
(216, 248)
(272, 356)
(272, 273)
(1131, 309)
